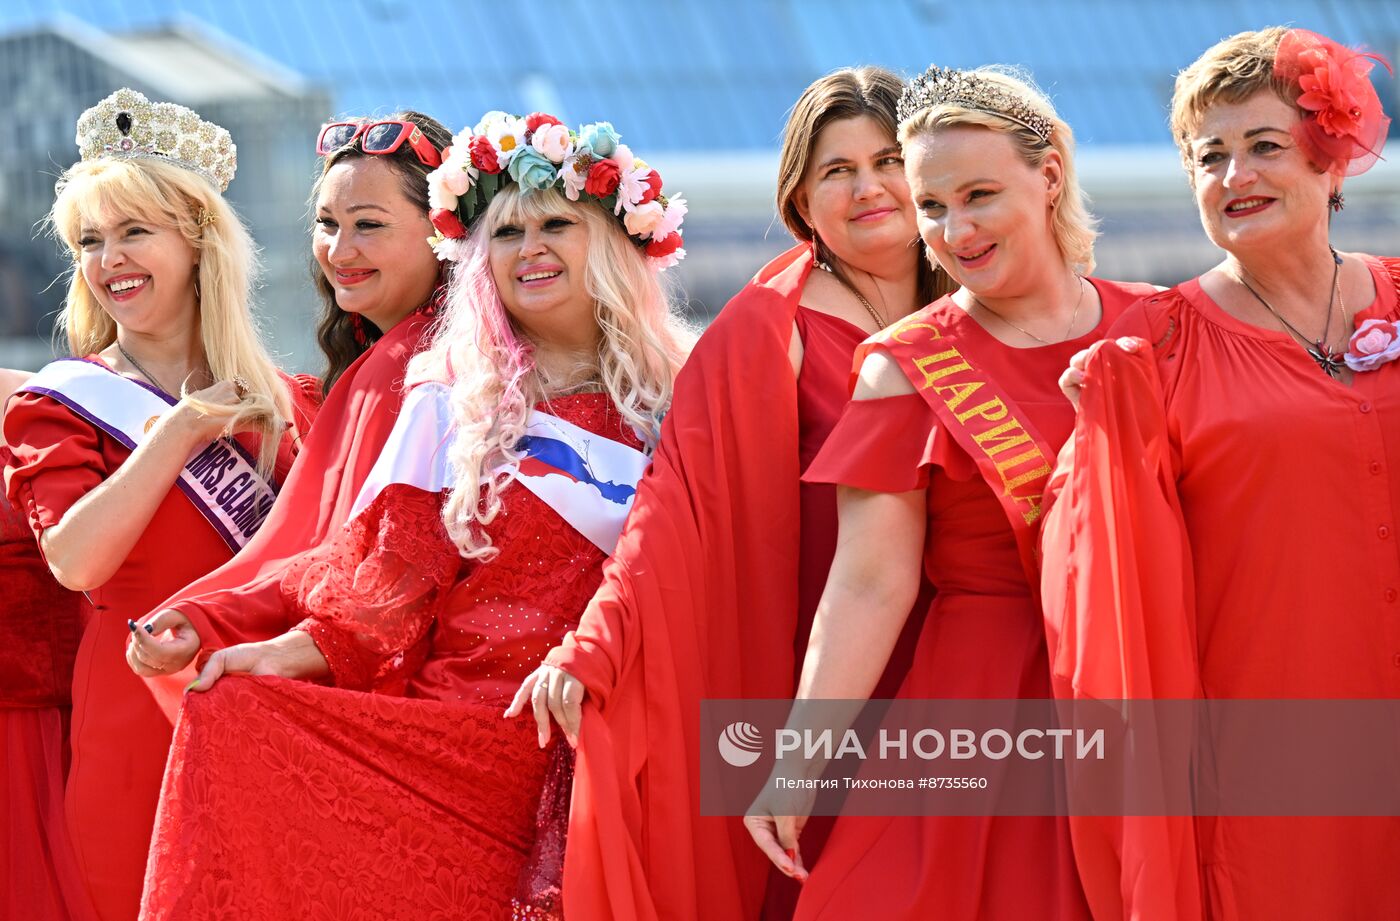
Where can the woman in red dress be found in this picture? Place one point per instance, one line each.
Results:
(158, 311)
(39, 635)
(925, 486)
(1227, 522)
(400, 791)
(379, 287)
(673, 621)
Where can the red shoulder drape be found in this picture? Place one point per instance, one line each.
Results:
(698, 601)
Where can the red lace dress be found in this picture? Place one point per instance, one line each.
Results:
(285, 799)
(119, 734)
(38, 639)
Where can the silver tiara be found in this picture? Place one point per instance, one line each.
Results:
(966, 88)
(127, 124)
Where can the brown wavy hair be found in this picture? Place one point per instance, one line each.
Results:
(335, 331)
(846, 93)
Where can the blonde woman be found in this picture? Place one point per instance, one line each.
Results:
(478, 538)
(926, 483)
(122, 462)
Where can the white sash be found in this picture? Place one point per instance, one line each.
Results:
(588, 479)
(221, 479)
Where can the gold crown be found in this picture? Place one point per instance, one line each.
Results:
(966, 88)
(127, 124)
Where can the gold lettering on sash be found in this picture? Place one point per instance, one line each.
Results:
(898, 334)
(930, 376)
(1000, 440)
(993, 410)
(1006, 435)
(960, 392)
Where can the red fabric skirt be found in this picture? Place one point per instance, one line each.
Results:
(40, 879)
(956, 868)
(288, 800)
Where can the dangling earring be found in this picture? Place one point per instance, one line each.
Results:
(1336, 201)
(357, 323)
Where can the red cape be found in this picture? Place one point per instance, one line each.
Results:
(241, 601)
(698, 601)
(1119, 612)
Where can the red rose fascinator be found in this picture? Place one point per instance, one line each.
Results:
(1343, 126)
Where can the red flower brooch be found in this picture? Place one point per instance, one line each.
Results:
(1374, 343)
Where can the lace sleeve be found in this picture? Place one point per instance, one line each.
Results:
(372, 592)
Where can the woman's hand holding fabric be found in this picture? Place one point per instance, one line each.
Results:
(291, 655)
(551, 692)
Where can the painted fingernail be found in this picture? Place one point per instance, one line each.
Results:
(192, 685)
(131, 625)
(151, 629)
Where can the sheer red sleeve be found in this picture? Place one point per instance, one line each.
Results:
(372, 592)
(57, 459)
(1118, 596)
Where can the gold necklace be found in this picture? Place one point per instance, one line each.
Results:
(1073, 318)
(869, 308)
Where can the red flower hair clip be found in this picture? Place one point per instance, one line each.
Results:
(1343, 126)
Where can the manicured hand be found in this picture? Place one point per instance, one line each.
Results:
(161, 644)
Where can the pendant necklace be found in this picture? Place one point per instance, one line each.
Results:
(1331, 361)
(137, 365)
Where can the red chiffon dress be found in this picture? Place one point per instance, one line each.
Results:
(120, 737)
(983, 637)
(287, 799)
(1258, 502)
(38, 640)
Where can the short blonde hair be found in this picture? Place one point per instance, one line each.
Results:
(1231, 71)
(167, 195)
(1075, 229)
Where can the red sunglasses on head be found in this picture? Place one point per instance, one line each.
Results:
(378, 138)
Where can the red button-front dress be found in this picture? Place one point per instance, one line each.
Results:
(983, 637)
(38, 640)
(286, 798)
(1258, 503)
(119, 736)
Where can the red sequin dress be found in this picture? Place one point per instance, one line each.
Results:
(285, 798)
(38, 640)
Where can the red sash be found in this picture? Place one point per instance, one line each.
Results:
(1013, 458)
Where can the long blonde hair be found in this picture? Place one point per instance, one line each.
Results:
(1075, 229)
(479, 350)
(167, 195)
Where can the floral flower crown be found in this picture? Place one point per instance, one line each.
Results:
(538, 152)
(1343, 126)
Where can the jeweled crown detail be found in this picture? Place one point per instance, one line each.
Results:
(127, 124)
(967, 88)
